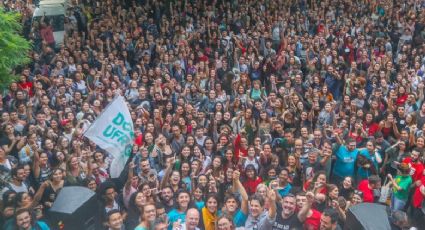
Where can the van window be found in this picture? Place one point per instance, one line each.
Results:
(58, 21)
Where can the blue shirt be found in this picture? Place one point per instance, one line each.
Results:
(285, 191)
(239, 218)
(9, 225)
(345, 160)
(174, 215)
(361, 172)
(199, 204)
(188, 183)
(140, 228)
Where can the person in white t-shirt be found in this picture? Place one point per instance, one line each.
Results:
(191, 223)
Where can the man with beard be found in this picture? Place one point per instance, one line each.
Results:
(329, 220)
(284, 218)
(346, 156)
(167, 198)
(416, 171)
(17, 184)
(24, 219)
(145, 172)
(417, 168)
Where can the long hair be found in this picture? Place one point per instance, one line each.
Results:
(180, 191)
(251, 167)
(133, 211)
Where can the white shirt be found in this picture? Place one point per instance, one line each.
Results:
(183, 227)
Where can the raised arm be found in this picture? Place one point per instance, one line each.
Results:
(21, 143)
(8, 148)
(395, 130)
(35, 164)
(302, 214)
(130, 175)
(338, 139)
(326, 157)
(167, 174)
(39, 194)
(237, 186)
(267, 223)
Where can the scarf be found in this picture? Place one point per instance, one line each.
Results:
(209, 219)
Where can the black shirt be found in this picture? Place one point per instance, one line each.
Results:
(291, 223)
(6, 141)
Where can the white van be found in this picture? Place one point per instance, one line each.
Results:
(54, 11)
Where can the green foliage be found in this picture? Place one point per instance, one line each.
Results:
(13, 47)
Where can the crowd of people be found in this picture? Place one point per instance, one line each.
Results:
(270, 114)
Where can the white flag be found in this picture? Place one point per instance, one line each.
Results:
(113, 131)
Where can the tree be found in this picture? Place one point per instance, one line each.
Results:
(14, 48)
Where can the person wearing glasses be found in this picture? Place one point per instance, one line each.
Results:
(147, 217)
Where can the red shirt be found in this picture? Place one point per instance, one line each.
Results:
(367, 192)
(139, 140)
(26, 86)
(355, 136)
(238, 148)
(251, 185)
(416, 170)
(47, 34)
(401, 99)
(243, 50)
(203, 58)
(373, 127)
(417, 195)
(313, 222)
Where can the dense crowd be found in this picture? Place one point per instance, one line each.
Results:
(270, 114)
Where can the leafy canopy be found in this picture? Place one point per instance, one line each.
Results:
(13, 47)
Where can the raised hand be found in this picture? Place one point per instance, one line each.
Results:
(271, 194)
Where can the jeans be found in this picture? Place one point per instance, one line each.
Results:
(397, 204)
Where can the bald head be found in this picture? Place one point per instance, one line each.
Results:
(192, 219)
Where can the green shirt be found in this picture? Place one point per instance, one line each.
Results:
(404, 183)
